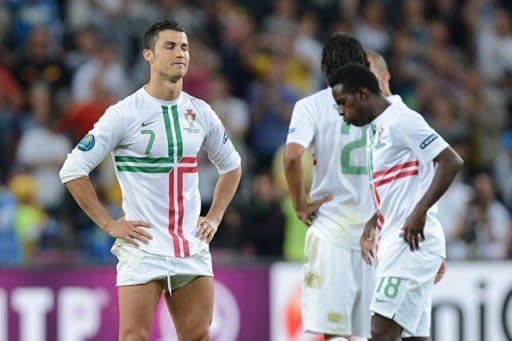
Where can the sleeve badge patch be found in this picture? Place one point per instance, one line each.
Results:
(428, 140)
(87, 143)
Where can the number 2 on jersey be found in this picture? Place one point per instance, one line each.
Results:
(346, 167)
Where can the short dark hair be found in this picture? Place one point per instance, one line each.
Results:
(151, 34)
(340, 49)
(353, 77)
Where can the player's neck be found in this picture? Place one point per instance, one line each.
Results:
(380, 106)
(164, 89)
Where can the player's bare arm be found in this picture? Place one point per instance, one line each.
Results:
(224, 191)
(448, 164)
(367, 240)
(306, 211)
(133, 231)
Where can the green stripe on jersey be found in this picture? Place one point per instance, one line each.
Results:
(138, 159)
(170, 140)
(139, 169)
(172, 147)
(177, 129)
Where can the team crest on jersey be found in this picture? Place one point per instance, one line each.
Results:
(190, 117)
(379, 135)
(87, 143)
(378, 142)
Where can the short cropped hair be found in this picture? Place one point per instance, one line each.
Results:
(353, 77)
(341, 49)
(151, 34)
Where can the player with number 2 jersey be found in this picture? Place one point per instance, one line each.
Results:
(337, 284)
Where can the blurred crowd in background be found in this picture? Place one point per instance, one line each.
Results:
(62, 63)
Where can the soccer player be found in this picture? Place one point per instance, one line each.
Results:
(337, 284)
(410, 168)
(379, 67)
(154, 136)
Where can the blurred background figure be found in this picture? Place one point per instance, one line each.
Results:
(41, 150)
(262, 227)
(484, 227)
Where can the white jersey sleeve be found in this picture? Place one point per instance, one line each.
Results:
(413, 132)
(302, 125)
(106, 134)
(218, 145)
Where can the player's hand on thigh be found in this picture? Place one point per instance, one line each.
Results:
(133, 231)
(307, 213)
(413, 228)
(206, 228)
(367, 243)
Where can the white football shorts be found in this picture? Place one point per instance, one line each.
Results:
(337, 289)
(408, 300)
(139, 267)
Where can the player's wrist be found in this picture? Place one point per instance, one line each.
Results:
(215, 218)
(107, 226)
(421, 208)
(300, 205)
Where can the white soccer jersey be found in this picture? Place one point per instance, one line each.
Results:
(339, 152)
(401, 149)
(154, 145)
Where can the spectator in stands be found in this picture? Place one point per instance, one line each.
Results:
(486, 223)
(101, 77)
(271, 101)
(503, 168)
(29, 217)
(10, 245)
(39, 62)
(486, 110)
(84, 48)
(41, 151)
(262, 227)
(371, 30)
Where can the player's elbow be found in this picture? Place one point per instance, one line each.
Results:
(455, 160)
(449, 159)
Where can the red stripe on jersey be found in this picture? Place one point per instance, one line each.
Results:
(176, 207)
(397, 176)
(172, 215)
(188, 159)
(181, 209)
(397, 167)
(380, 219)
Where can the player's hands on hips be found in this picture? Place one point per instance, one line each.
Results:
(440, 273)
(413, 228)
(206, 228)
(307, 212)
(133, 231)
(367, 242)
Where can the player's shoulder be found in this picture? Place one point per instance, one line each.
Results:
(198, 106)
(127, 105)
(192, 101)
(403, 115)
(319, 97)
(321, 101)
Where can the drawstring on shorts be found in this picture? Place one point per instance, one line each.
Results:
(169, 264)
